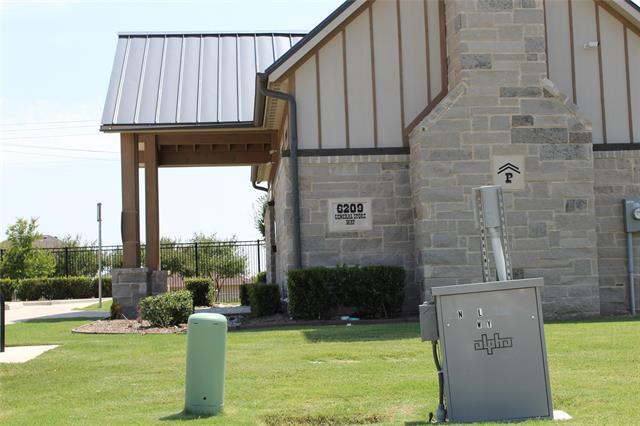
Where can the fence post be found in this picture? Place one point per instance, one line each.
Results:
(258, 248)
(197, 270)
(66, 261)
(1, 254)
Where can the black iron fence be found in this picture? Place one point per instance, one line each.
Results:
(229, 261)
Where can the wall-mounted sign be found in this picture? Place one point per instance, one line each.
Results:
(350, 214)
(508, 171)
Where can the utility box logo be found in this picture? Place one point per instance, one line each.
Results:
(508, 171)
(350, 214)
(491, 344)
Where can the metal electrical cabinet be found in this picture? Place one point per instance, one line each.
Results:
(493, 350)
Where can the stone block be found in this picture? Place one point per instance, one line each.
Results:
(520, 92)
(576, 205)
(534, 44)
(522, 120)
(580, 137)
(542, 107)
(539, 135)
(495, 5)
(528, 16)
(475, 61)
(564, 152)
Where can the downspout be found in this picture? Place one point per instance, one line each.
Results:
(295, 187)
(254, 178)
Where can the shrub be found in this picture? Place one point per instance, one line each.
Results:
(7, 285)
(115, 310)
(244, 294)
(200, 290)
(373, 291)
(264, 299)
(260, 278)
(378, 291)
(167, 309)
(106, 286)
(310, 295)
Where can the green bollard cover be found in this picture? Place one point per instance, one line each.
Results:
(206, 352)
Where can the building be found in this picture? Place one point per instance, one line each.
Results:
(394, 110)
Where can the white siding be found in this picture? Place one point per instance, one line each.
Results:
(557, 15)
(586, 63)
(307, 102)
(387, 69)
(414, 58)
(332, 102)
(359, 83)
(615, 79)
(634, 77)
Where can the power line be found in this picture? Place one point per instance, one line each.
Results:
(28, 123)
(47, 128)
(55, 148)
(50, 137)
(55, 155)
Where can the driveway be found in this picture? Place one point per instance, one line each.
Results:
(25, 311)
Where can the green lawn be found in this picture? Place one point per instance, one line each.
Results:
(314, 375)
(106, 306)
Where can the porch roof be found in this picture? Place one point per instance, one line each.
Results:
(188, 80)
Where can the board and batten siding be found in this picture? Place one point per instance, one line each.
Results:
(376, 76)
(604, 81)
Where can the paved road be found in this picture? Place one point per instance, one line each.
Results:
(25, 311)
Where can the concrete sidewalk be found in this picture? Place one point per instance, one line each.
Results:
(25, 311)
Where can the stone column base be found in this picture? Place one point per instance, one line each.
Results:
(130, 285)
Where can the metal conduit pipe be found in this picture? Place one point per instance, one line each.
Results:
(295, 186)
(630, 267)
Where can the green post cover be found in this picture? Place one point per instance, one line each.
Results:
(206, 350)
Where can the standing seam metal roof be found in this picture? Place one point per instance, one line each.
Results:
(189, 79)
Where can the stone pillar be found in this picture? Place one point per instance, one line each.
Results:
(501, 103)
(130, 285)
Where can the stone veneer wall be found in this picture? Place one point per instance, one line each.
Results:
(617, 176)
(385, 179)
(500, 103)
(283, 221)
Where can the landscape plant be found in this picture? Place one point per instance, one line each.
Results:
(169, 309)
(21, 259)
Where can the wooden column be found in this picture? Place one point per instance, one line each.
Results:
(152, 210)
(130, 219)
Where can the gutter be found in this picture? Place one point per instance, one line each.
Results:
(295, 185)
(254, 178)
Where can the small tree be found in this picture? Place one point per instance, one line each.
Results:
(219, 260)
(258, 215)
(21, 259)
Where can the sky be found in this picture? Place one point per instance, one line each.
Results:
(55, 62)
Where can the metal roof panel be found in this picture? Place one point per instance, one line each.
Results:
(188, 79)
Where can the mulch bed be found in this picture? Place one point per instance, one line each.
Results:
(236, 322)
(122, 326)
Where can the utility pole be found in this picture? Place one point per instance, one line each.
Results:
(100, 255)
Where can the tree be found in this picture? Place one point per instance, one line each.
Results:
(258, 215)
(219, 259)
(21, 259)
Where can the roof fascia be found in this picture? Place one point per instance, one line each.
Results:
(628, 9)
(315, 37)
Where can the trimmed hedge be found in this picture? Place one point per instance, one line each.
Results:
(200, 289)
(260, 278)
(7, 285)
(373, 291)
(244, 294)
(55, 288)
(264, 299)
(167, 309)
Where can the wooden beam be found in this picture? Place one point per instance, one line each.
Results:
(171, 158)
(152, 210)
(130, 219)
(213, 138)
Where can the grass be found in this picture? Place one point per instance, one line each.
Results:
(106, 306)
(315, 375)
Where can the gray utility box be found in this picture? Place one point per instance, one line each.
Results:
(632, 214)
(493, 350)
